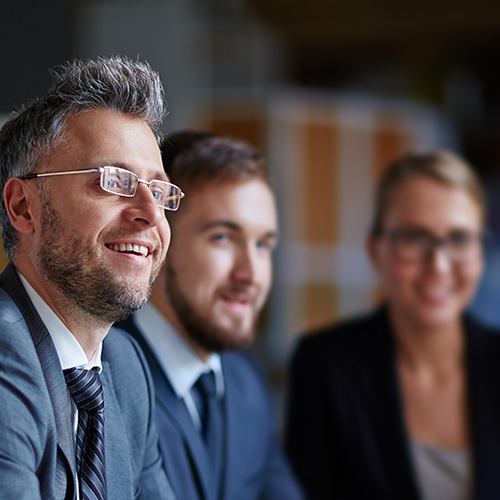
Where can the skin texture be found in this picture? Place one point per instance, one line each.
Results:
(219, 268)
(67, 225)
(426, 300)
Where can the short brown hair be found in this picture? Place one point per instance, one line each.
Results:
(192, 157)
(441, 166)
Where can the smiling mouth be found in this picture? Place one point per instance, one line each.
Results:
(130, 248)
(236, 298)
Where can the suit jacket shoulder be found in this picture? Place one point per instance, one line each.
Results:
(31, 462)
(255, 467)
(37, 442)
(129, 411)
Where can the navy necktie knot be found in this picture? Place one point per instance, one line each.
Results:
(206, 384)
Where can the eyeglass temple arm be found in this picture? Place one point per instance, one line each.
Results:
(69, 172)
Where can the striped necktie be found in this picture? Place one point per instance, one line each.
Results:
(86, 390)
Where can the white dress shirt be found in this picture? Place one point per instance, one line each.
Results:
(177, 359)
(69, 350)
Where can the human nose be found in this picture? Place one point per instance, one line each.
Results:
(440, 258)
(143, 207)
(245, 266)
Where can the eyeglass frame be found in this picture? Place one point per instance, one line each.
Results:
(101, 170)
(435, 243)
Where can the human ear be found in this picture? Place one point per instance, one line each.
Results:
(18, 200)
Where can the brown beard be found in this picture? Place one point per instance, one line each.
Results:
(203, 332)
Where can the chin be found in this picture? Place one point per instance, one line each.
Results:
(433, 319)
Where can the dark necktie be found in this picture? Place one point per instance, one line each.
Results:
(211, 416)
(86, 390)
(207, 391)
(210, 413)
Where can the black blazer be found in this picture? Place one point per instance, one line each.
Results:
(346, 434)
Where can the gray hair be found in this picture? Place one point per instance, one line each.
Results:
(115, 83)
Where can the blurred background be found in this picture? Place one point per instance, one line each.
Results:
(330, 90)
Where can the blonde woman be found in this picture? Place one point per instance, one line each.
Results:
(404, 403)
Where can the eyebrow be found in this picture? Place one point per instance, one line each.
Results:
(157, 175)
(233, 227)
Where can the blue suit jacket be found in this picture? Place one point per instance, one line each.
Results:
(254, 466)
(37, 450)
(347, 436)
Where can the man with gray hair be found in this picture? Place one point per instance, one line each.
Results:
(84, 193)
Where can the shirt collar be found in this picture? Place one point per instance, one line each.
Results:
(69, 350)
(176, 357)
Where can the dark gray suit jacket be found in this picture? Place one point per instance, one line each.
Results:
(37, 451)
(253, 467)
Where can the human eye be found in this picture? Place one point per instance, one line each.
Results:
(266, 244)
(220, 238)
(117, 180)
(461, 239)
(158, 193)
(413, 238)
(112, 183)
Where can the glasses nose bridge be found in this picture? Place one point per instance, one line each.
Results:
(439, 244)
(148, 185)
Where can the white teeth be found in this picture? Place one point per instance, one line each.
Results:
(128, 247)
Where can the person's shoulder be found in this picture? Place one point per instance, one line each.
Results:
(242, 363)
(123, 353)
(244, 371)
(119, 339)
(482, 335)
(351, 335)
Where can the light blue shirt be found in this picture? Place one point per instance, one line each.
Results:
(177, 359)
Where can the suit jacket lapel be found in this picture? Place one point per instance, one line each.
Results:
(483, 354)
(381, 420)
(175, 408)
(49, 362)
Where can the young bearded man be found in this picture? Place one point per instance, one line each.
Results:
(84, 193)
(217, 432)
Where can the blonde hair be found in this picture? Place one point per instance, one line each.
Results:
(441, 166)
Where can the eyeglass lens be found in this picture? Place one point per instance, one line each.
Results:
(124, 183)
(415, 246)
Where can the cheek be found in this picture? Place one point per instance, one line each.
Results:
(265, 271)
(165, 234)
(470, 274)
(202, 270)
(397, 276)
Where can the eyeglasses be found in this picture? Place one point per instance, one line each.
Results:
(124, 183)
(417, 245)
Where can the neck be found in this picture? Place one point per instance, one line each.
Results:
(88, 331)
(439, 348)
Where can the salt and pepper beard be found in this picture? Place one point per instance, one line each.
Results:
(86, 281)
(210, 337)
